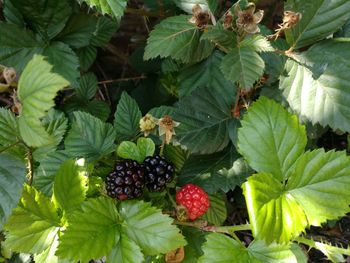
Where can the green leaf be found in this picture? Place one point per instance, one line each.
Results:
(318, 179)
(65, 62)
(33, 224)
(126, 118)
(320, 18)
(79, 30)
(317, 87)
(203, 170)
(45, 174)
(224, 39)
(129, 150)
(105, 29)
(32, 132)
(175, 37)
(91, 232)
(14, 51)
(258, 43)
(217, 212)
(271, 139)
(280, 212)
(146, 147)
(149, 228)
(243, 65)
(36, 89)
(138, 152)
(12, 15)
(38, 86)
(195, 239)
(204, 74)
(126, 251)
(70, 186)
(97, 108)
(9, 132)
(89, 137)
(88, 87)
(12, 177)
(112, 7)
(56, 125)
(87, 56)
(203, 118)
(220, 248)
(46, 17)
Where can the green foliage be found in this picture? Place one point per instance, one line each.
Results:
(175, 37)
(115, 8)
(126, 118)
(149, 228)
(94, 226)
(257, 252)
(36, 90)
(139, 151)
(319, 91)
(12, 176)
(283, 201)
(280, 137)
(320, 19)
(33, 224)
(207, 73)
(83, 140)
(70, 186)
(204, 118)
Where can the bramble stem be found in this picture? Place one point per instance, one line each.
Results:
(227, 229)
(322, 246)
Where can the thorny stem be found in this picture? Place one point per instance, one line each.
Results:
(143, 12)
(236, 102)
(227, 229)
(314, 244)
(30, 165)
(161, 151)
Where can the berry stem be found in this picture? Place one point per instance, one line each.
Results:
(162, 148)
(171, 198)
(227, 229)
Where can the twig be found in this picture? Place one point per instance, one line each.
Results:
(122, 79)
(143, 12)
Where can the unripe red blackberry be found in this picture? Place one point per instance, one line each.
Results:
(126, 181)
(158, 172)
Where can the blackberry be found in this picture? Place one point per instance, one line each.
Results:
(158, 172)
(126, 181)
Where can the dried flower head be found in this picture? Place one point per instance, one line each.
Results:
(9, 75)
(166, 126)
(148, 124)
(175, 256)
(228, 19)
(200, 17)
(248, 19)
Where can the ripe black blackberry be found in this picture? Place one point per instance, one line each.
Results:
(158, 172)
(126, 181)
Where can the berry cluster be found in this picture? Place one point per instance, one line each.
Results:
(159, 172)
(129, 178)
(194, 199)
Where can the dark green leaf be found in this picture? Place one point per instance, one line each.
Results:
(65, 62)
(175, 37)
(203, 118)
(89, 137)
(12, 177)
(79, 30)
(243, 65)
(46, 17)
(112, 7)
(87, 56)
(126, 118)
(105, 29)
(88, 87)
(126, 251)
(204, 74)
(320, 18)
